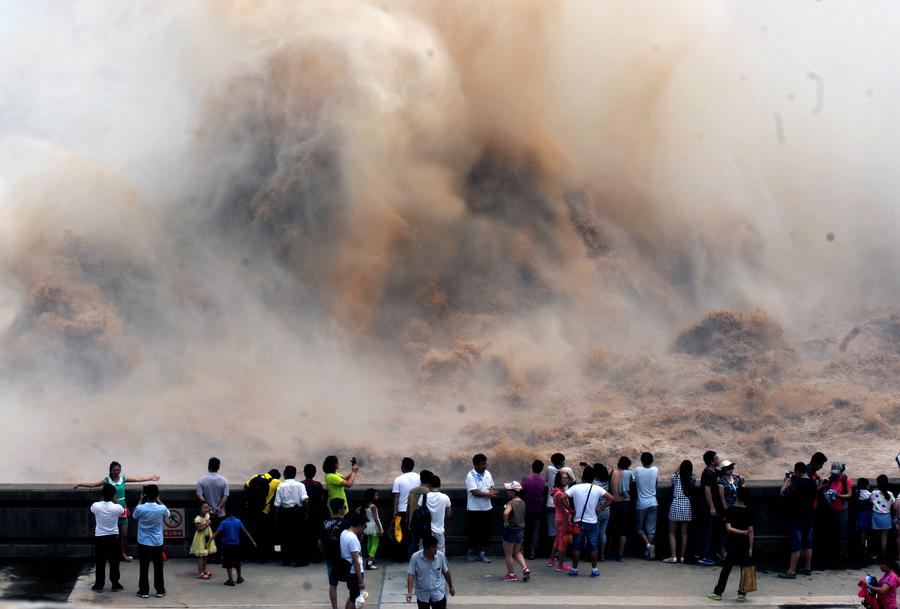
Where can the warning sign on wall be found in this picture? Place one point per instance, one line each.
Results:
(173, 528)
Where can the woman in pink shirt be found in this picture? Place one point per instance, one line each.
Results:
(887, 585)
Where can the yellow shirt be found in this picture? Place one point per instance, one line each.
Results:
(273, 486)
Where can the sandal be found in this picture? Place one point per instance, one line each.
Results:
(208, 573)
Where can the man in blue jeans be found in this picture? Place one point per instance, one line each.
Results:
(584, 499)
(149, 515)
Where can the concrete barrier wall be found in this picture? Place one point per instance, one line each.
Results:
(54, 520)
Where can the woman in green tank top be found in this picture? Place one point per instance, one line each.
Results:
(117, 479)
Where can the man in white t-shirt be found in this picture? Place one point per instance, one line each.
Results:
(350, 552)
(106, 537)
(479, 491)
(586, 499)
(645, 479)
(404, 483)
(439, 505)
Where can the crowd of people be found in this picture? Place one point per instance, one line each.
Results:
(594, 513)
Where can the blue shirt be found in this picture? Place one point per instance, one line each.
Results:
(230, 531)
(150, 517)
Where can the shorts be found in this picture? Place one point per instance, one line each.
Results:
(353, 586)
(645, 521)
(863, 521)
(231, 556)
(589, 532)
(800, 535)
(551, 522)
(881, 522)
(332, 575)
(619, 513)
(513, 535)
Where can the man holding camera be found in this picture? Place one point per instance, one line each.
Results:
(150, 514)
(799, 493)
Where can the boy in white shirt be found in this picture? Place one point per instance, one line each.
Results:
(439, 505)
(350, 552)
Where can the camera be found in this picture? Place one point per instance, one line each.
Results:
(788, 474)
(352, 460)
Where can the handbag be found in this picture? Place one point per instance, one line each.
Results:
(398, 531)
(748, 579)
(575, 526)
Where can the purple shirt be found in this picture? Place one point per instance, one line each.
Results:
(533, 493)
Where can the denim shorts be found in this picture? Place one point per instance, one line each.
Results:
(645, 521)
(589, 533)
(800, 535)
(513, 535)
(332, 576)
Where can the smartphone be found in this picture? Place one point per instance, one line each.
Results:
(352, 460)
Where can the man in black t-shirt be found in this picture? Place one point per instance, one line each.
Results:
(739, 528)
(799, 493)
(710, 510)
(330, 543)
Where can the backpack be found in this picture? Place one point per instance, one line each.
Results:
(257, 492)
(831, 495)
(331, 537)
(420, 525)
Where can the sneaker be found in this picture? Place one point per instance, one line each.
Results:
(372, 566)
(652, 552)
(647, 552)
(670, 560)
(142, 595)
(470, 556)
(510, 577)
(741, 598)
(116, 588)
(714, 596)
(228, 582)
(239, 580)
(160, 595)
(483, 557)
(805, 571)
(620, 559)
(551, 563)
(96, 589)
(681, 559)
(787, 575)
(706, 562)
(595, 572)
(526, 574)
(573, 572)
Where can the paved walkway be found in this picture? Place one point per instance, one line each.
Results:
(635, 583)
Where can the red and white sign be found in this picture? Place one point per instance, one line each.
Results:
(173, 528)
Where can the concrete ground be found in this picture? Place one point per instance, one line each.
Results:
(634, 583)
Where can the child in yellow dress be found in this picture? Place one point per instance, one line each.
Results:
(198, 546)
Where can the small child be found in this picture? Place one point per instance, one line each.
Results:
(230, 531)
(862, 499)
(514, 533)
(199, 547)
(886, 590)
(373, 530)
